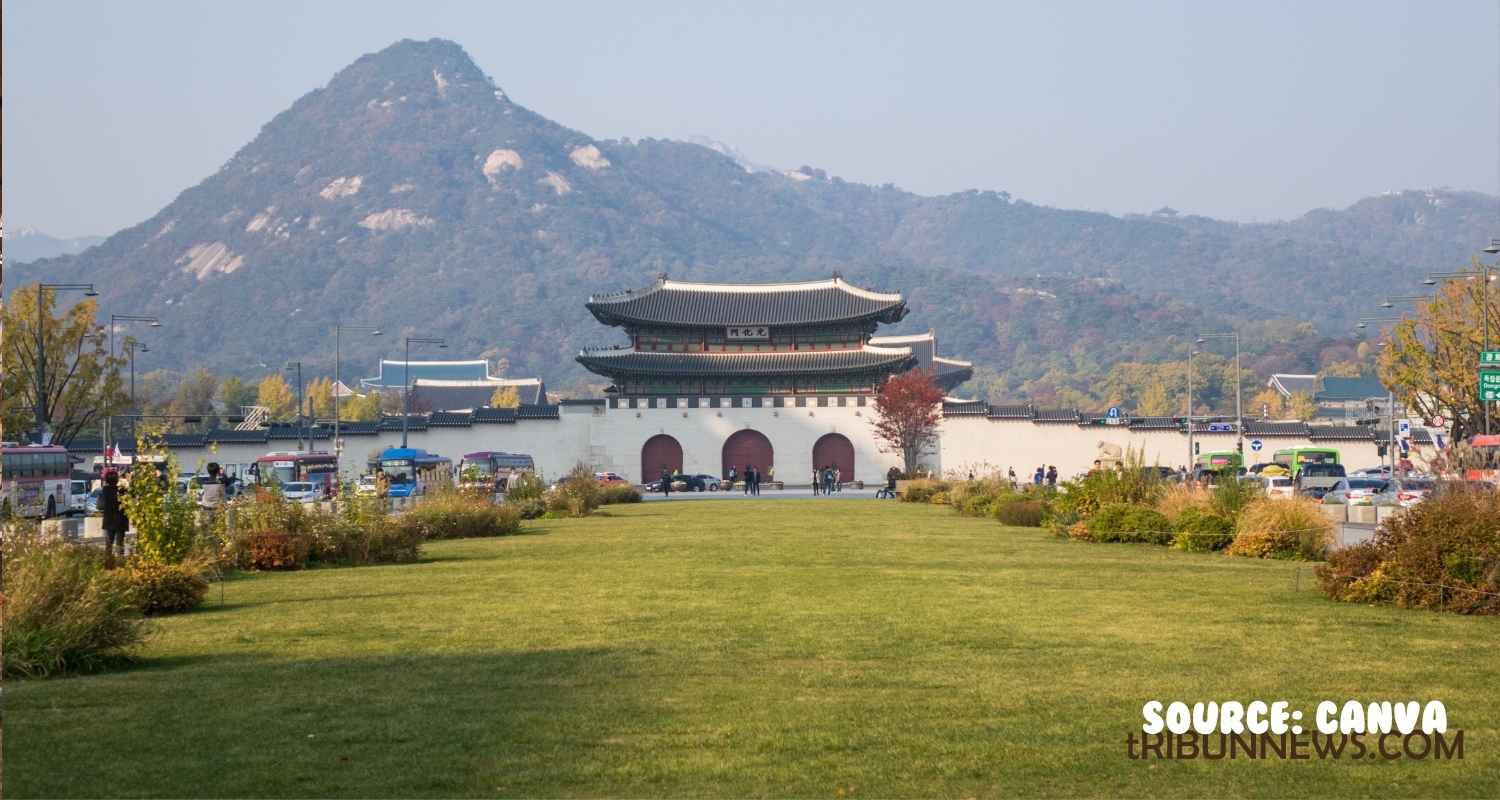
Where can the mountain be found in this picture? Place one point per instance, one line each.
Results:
(29, 244)
(411, 192)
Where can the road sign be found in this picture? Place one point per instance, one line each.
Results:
(1438, 422)
(1113, 413)
(1221, 427)
(1255, 445)
(1489, 385)
(1490, 357)
(1403, 428)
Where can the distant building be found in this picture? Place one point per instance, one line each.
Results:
(947, 373)
(452, 385)
(1347, 400)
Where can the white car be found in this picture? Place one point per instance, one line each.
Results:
(366, 487)
(1279, 486)
(78, 497)
(300, 491)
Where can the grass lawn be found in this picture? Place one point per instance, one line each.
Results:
(805, 648)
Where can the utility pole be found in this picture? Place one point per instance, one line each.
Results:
(338, 383)
(1190, 463)
(298, 366)
(406, 378)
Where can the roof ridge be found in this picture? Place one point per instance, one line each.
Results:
(663, 284)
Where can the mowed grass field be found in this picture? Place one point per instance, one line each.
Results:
(809, 648)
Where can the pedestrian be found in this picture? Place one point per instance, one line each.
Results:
(666, 483)
(115, 522)
(1051, 476)
(771, 474)
(1038, 476)
(748, 467)
(755, 482)
(971, 475)
(838, 478)
(827, 480)
(212, 495)
(1012, 475)
(731, 479)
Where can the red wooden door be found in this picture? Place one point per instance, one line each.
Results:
(835, 450)
(748, 447)
(660, 452)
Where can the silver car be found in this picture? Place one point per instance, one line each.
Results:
(1355, 491)
(300, 491)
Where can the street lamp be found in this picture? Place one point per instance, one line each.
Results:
(115, 320)
(338, 382)
(298, 366)
(1390, 302)
(1239, 417)
(41, 348)
(406, 378)
(1191, 353)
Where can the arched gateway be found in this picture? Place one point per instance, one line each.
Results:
(834, 450)
(748, 447)
(660, 452)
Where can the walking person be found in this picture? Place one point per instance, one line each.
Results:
(755, 483)
(730, 487)
(1052, 477)
(838, 478)
(816, 479)
(666, 483)
(1038, 476)
(1012, 476)
(748, 467)
(213, 494)
(115, 521)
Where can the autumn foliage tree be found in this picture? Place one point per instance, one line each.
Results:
(908, 409)
(1433, 358)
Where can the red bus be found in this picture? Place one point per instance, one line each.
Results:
(35, 480)
(318, 468)
(1487, 458)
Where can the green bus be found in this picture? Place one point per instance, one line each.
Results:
(1294, 458)
(1219, 460)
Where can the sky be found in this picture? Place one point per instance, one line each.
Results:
(1244, 111)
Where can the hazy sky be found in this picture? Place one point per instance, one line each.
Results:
(1247, 111)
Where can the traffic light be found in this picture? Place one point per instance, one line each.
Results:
(1380, 450)
(1196, 446)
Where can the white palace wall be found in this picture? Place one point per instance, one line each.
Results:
(611, 439)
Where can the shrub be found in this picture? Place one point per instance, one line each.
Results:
(1442, 554)
(270, 533)
(274, 550)
(524, 486)
(1126, 522)
(1200, 531)
(922, 491)
(577, 495)
(163, 520)
(63, 610)
(611, 495)
(451, 515)
(529, 508)
(1292, 528)
(161, 588)
(978, 498)
(1020, 512)
(338, 539)
(1182, 498)
(1231, 495)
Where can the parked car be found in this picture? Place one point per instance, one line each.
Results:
(301, 491)
(91, 504)
(1316, 479)
(1279, 486)
(1355, 491)
(610, 479)
(1405, 492)
(366, 487)
(1382, 471)
(687, 483)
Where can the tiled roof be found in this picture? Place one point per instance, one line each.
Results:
(231, 436)
(1213, 426)
(1155, 423)
(502, 415)
(415, 422)
(1010, 412)
(183, 440)
(669, 302)
(449, 419)
(630, 362)
(582, 401)
(1255, 427)
(288, 430)
(1335, 389)
(1341, 432)
(1421, 436)
(537, 412)
(1289, 384)
(393, 372)
(1056, 415)
(968, 408)
(359, 428)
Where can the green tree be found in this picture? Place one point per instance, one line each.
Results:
(276, 395)
(161, 517)
(1155, 401)
(195, 396)
(235, 394)
(82, 383)
(362, 408)
(1301, 406)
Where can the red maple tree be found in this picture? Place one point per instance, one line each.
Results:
(908, 408)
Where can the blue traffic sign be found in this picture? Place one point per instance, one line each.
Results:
(1114, 412)
(1255, 445)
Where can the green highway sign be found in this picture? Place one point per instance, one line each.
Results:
(1490, 357)
(1489, 385)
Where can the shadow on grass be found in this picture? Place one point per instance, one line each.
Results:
(422, 724)
(211, 602)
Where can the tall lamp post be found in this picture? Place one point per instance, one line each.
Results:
(41, 348)
(297, 365)
(338, 383)
(114, 321)
(1486, 274)
(1191, 454)
(1239, 415)
(406, 378)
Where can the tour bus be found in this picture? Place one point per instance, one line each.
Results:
(318, 468)
(1218, 461)
(35, 480)
(1294, 458)
(411, 470)
(490, 469)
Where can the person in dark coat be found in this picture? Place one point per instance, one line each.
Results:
(666, 483)
(113, 512)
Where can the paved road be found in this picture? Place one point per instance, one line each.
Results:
(766, 494)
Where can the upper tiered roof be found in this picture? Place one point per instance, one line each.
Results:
(624, 361)
(680, 303)
(947, 373)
